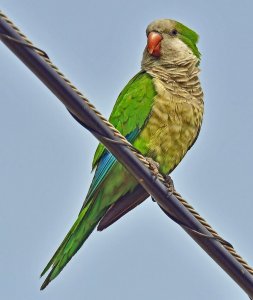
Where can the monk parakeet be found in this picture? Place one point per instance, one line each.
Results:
(160, 112)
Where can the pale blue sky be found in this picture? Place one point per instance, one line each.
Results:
(45, 156)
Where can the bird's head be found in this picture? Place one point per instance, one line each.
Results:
(169, 41)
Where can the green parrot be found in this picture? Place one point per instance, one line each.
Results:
(160, 112)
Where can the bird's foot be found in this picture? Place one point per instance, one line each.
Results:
(153, 165)
(170, 184)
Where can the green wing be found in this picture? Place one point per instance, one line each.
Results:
(131, 109)
(129, 115)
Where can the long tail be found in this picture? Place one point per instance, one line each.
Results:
(82, 228)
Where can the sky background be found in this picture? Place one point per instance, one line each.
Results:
(45, 156)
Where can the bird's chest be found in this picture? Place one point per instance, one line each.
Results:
(170, 130)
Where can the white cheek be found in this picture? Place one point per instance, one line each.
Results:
(178, 45)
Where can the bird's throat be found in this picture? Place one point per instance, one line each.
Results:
(180, 78)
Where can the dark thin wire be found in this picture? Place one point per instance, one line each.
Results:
(5, 36)
(179, 222)
(96, 132)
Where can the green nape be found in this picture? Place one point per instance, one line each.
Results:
(189, 37)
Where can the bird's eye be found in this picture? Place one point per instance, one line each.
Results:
(174, 32)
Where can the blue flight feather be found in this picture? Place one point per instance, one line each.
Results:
(105, 164)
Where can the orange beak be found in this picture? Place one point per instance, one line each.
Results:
(154, 43)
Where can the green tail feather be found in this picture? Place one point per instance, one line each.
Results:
(80, 231)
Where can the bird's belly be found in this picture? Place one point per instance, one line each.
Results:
(170, 131)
